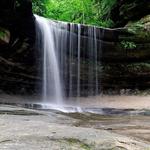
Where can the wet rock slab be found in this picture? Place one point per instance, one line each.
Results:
(53, 130)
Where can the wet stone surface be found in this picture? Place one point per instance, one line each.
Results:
(29, 129)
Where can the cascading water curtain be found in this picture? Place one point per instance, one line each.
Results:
(51, 85)
(70, 60)
(83, 61)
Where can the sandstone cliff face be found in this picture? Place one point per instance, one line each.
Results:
(129, 62)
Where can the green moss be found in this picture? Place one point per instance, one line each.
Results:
(86, 147)
(76, 141)
(2, 33)
(19, 112)
(118, 148)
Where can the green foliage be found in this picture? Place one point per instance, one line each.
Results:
(128, 45)
(106, 6)
(39, 7)
(2, 33)
(77, 11)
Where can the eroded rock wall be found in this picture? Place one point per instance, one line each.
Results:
(123, 55)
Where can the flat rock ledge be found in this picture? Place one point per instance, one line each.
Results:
(25, 129)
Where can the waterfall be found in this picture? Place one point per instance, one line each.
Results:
(52, 89)
(70, 60)
(79, 66)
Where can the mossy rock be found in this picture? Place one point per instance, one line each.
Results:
(140, 30)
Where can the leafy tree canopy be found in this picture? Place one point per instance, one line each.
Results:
(77, 11)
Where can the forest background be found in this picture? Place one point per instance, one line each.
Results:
(92, 12)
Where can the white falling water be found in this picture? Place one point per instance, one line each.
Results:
(79, 65)
(66, 51)
(96, 62)
(52, 89)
